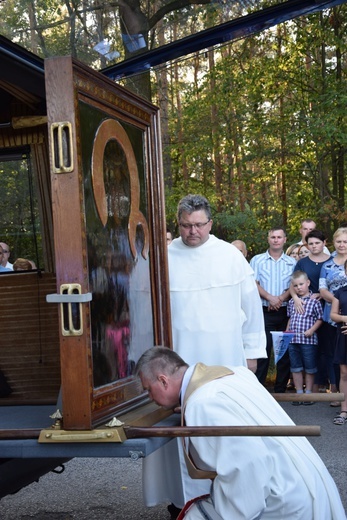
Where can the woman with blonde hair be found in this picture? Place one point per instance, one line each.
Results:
(303, 251)
(332, 278)
(293, 251)
(339, 315)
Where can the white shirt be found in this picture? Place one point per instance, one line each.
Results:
(273, 274)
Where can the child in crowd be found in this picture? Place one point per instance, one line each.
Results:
(303, 349)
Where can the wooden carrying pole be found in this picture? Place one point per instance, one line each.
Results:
(316, 398)
(134, 432)
(29, 433)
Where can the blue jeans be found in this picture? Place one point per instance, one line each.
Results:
(303, 358)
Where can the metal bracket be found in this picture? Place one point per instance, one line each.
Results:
(136, 455)
(70, 300)
(99, 435)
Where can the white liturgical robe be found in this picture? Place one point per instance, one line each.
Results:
(217, 319)
(272, 478)
(216, 310)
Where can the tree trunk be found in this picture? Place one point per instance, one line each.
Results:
(163, 102)
(180, 133)
(215, 134)
(340, 155)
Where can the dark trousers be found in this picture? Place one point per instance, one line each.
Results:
(274, 320)
(328, 371)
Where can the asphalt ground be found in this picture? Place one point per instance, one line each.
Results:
(103, 489)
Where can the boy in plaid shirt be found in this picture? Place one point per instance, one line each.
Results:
(303, 349)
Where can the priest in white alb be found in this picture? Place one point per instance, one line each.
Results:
(217, 318)
(250, 477)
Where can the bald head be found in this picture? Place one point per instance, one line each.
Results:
(6, 254)
(241, 246)
(161, 372)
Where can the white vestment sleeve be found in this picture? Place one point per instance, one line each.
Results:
(282, 475)
(253, 333)
(243, 469)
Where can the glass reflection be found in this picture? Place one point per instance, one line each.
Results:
(121, 308)
(121, 311)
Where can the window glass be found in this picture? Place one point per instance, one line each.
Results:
(19, 218)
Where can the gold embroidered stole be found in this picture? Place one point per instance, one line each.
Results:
(202, 374)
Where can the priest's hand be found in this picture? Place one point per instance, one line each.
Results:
(252, 364)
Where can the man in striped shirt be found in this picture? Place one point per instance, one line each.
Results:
(273, 270)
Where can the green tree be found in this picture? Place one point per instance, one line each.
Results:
(280, 125)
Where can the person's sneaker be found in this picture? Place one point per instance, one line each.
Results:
(297, 403)
(308, 403)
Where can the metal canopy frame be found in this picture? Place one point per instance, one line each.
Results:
(235, 29)
(21, 67)
(30, 67)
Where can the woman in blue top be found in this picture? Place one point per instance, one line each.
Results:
(332, 278)
(339, 315)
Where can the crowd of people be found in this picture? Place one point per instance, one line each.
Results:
(283, 304)
(223, 310)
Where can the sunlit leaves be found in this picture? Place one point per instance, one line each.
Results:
(281, 99)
